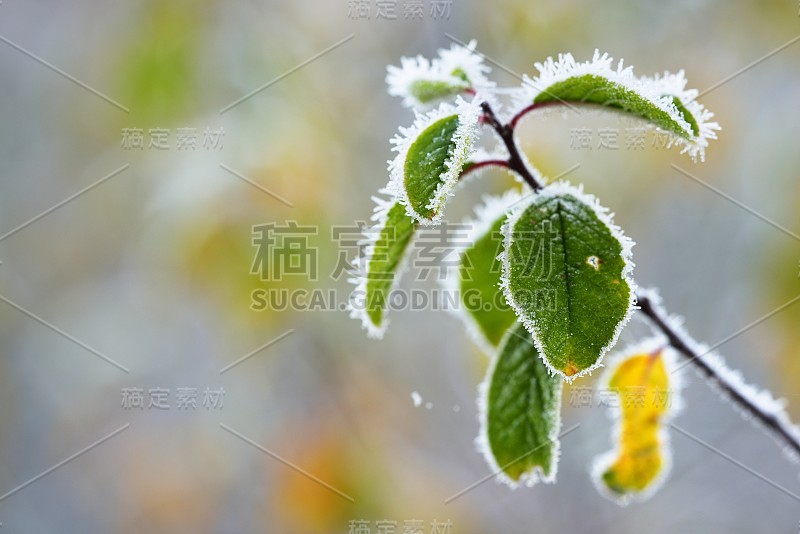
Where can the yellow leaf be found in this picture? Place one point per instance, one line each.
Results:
(643, 391)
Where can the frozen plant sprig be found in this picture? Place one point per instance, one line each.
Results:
(565, 269)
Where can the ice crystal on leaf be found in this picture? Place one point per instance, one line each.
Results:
(519, 406)
(423, 83)
(663, 100)
(385, 246)
(464, 62)
(574, 312)
(430, 157)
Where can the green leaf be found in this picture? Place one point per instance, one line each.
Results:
(566, 273)
(662, 100)
(391, 239)
(593, 89)
(687, 115)
(522, 412)
(426, 162)
(479, 283)
(423, 83)
(431, 156)
(430, 91)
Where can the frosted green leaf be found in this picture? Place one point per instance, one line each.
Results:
(521, 413)
(593, 89)
(428, 91)
(687, 115)
(431, 155)
(425, 163)
(387, 246)
(423, 83)
(663, 101)
(478, 278)
(566, 273)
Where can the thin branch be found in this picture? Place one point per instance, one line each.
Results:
(777, 423)
(533, 107)
(482, 164)
(506, 132)
(575, 106)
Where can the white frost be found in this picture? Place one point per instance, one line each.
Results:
(480, 154)
(466, 59)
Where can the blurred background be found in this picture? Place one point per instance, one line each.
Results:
(144, 281)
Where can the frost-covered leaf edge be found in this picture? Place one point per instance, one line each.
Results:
(653, 89)
(361, 264)
(535, 475)
(418, 68)
(464, 138)
(607, 218)
(480, 155)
